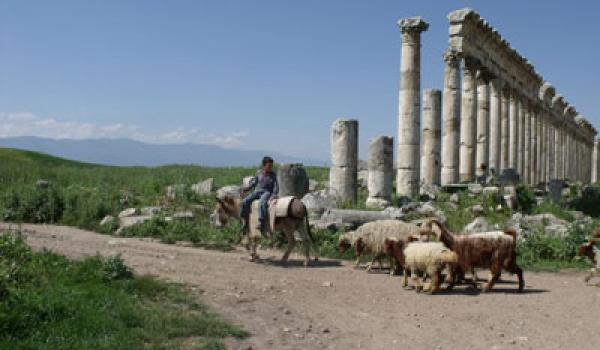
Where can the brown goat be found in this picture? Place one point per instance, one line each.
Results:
(495, 251)
(589, 249)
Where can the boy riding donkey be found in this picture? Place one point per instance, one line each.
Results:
(265, 186)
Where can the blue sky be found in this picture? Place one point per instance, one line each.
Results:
(254, 74)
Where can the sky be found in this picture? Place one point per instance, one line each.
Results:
(267, 75)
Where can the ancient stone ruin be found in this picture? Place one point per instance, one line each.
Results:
(496, 115)
(344, 160)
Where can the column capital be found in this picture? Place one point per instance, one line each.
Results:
(497, 83)
(412, 25)
(483, 74)
(452, 57)
(472, 64)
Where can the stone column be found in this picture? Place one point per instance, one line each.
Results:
(468, 121)
(577, 159)
(409, 127)
(558, 151)
(550, 157)
(451, 109)
(533, 139)
(344, 160)
(381, 172)
(566, 146)
(525, 138)
(483, 121)
(495, 127)
(514, 137)
(596, 162)
(432, 132)
(542, 146)
(550, 149)
(505, 131)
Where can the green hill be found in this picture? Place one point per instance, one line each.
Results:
(85, 193)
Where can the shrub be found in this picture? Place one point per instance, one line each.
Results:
(14, 257)
(525, 199)
(588, 202)
(543, 250)
(115, 269)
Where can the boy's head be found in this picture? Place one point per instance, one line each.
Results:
(267, 163)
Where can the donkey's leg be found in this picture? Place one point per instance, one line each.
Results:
(306, 241)
(253, 255)
(291, 243)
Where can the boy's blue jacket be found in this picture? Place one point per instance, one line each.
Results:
(265, 181)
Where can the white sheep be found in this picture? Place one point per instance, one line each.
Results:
(428, 258)
(370, 238)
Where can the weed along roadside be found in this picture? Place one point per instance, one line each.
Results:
(49, 302)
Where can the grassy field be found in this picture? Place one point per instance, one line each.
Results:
(82, 194)
(49, 302)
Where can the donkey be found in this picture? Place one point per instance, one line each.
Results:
(296, 221)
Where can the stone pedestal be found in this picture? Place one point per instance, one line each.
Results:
(451, 109)
(381, 172)
(432, 125)
(344, 160)
(407, 180)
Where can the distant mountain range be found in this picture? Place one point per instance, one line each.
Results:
(125, 152)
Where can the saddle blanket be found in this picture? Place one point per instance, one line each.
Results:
(277, 208)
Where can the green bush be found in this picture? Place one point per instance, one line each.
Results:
(541, 250)
(588, 202)
(525, 199)
(115, 269)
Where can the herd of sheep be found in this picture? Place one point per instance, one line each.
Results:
(413, 249)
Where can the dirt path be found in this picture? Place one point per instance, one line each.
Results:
(332, 306)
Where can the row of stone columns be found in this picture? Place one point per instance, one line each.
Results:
(486, 125)
(498, 128)
(489, 124)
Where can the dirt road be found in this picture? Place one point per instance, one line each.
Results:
(333, 306)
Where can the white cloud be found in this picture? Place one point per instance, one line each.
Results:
(29, 124)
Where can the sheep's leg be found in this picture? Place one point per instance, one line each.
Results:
(392, 265)
(405, 277)
(593, 271)
(450, 277)
(291, 244)
(376, 257)
(474, 275)
(357, 261)
(494, 276)
(436, 277)
(473, 278)
(514, 268)
(416, 282)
